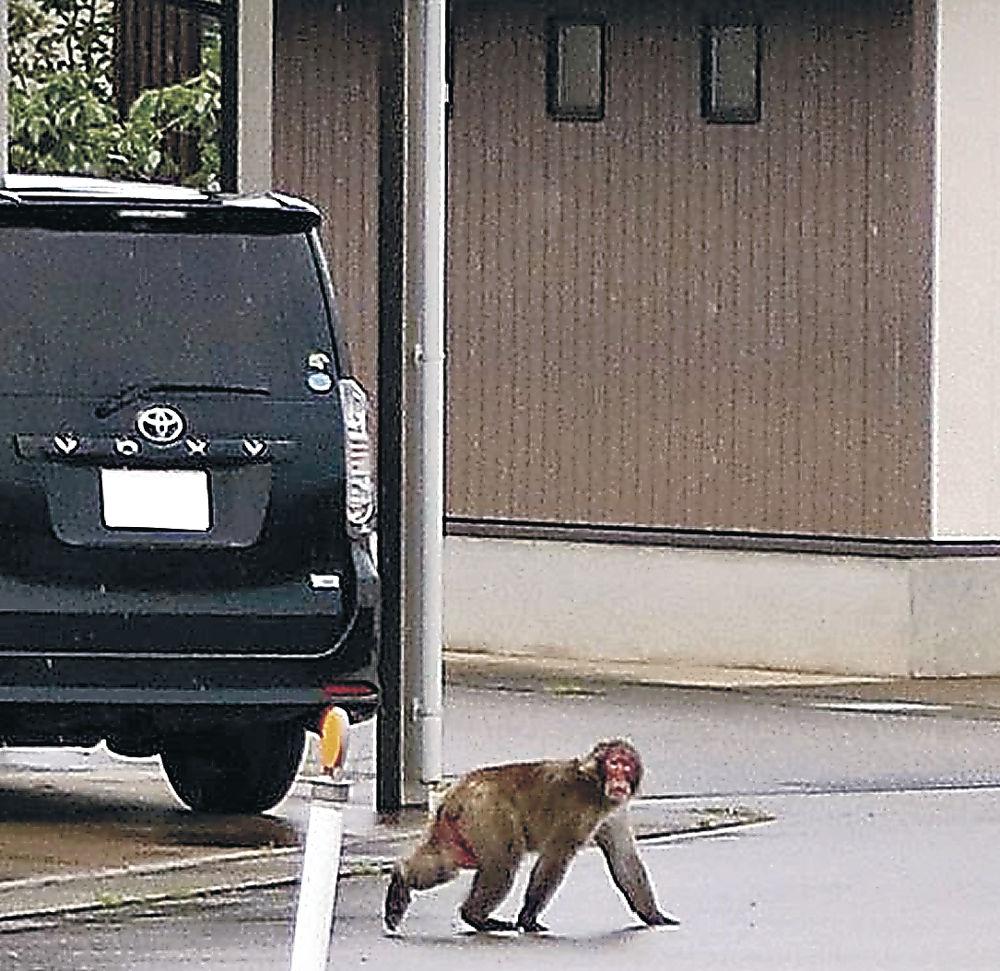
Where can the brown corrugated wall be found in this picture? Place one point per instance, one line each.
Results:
(326, 145)
(654, 321)
(157, 43)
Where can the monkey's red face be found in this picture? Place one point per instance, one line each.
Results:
(621, 772)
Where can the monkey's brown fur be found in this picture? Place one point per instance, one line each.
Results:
(491, 817)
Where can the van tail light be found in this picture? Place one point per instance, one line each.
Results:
(348, 689)
(359, 461)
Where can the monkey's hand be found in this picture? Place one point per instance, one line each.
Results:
(658, 919)
(531, 926)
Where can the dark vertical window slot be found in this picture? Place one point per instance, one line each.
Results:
(575, 70)
(730, 74)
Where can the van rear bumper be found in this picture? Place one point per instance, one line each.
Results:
(74, 688)
(277, 620)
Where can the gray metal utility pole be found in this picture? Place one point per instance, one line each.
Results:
(425, 449)
(254, 94)
(4, 86)
(412, 99)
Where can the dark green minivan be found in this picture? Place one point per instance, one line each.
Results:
(186, 484)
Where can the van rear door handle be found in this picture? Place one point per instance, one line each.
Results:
(67, 447)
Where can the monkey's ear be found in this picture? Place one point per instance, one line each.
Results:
(589, 767)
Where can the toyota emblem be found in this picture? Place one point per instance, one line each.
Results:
(160, 424)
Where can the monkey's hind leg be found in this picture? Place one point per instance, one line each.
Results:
(491, 884)
(397, 899)
(428, 866)
(546, 876)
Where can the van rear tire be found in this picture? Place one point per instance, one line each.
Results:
(245, 771)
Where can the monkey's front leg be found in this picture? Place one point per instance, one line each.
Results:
(617, 842)
(548, 873)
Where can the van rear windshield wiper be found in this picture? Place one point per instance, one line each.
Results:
(134, 392)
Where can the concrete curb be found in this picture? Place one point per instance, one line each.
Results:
(84, 891)
(33, 899)
(977, 697)
(479, 668)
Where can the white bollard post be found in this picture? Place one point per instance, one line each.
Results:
(320, 870)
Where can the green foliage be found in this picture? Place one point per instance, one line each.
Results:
(191, 107)
(62, 112)
(48, 37)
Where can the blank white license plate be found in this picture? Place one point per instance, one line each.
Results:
(175, 499)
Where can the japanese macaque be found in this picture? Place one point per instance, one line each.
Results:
(491, 817)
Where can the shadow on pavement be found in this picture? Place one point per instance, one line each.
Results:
(83, 821)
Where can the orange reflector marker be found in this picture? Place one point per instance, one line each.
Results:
(334, 730)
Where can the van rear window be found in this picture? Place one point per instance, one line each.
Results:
(86, 313)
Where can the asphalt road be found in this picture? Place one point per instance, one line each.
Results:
(858, 881)
(700, 742)
(881, 854)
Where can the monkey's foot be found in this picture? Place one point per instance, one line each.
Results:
(397, 899)
(531, 927)
(488, 923)
(659, 919)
